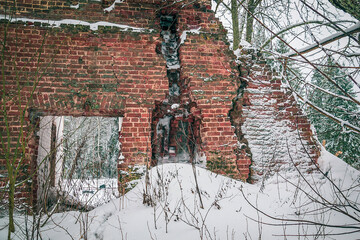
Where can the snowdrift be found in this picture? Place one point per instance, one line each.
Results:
(284, 206)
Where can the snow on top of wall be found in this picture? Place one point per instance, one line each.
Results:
(175, 106)
(237, 53)
(183, 35)
(245, 44)
(75, 6)
(57, 23)
(110, 8)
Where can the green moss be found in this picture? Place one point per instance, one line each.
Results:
(4, 21)
(19, 22)
(45, 24)
(136, 35)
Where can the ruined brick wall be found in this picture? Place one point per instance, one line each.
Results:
(273, 124)
(88, 69)
(213, 86)
(103, 74)
(110, 63)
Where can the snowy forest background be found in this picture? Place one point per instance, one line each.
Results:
(315, 47)
(94, 144)
(278, 29)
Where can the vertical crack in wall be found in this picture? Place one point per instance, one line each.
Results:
(176, 120)
(243, 152)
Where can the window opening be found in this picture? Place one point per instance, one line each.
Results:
(79, 156)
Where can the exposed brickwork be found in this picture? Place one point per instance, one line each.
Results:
(136, 13)
(30, 6)
(277, 131)
(90, 74)
(213, 84)
(113, 72)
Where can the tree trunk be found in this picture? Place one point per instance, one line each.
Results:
(11, 206)
(250, 21)
(235, 24)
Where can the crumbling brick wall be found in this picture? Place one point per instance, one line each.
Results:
(277, 131)
(213, 85)
(90, 68)
(89, 76)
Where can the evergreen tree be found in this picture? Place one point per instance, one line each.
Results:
(292, 68)
(338, 140)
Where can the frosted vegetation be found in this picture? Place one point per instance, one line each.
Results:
(90, 151)
(91, 147)
(286, 206)
(314, 47)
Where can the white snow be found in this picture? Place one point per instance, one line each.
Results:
(175, 66)
(92, 192)
(175, 106)
(245, 44)
(227, 212)
(237, 53)
(57, 23)
(340, 171)
(184, 34)
(75, 6)
(110, 8)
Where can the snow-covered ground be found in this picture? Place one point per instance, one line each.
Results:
(92, 192)
(286, 198)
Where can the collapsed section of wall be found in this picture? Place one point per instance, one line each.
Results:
(278, 133)
(176, 120)
(203, 80)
